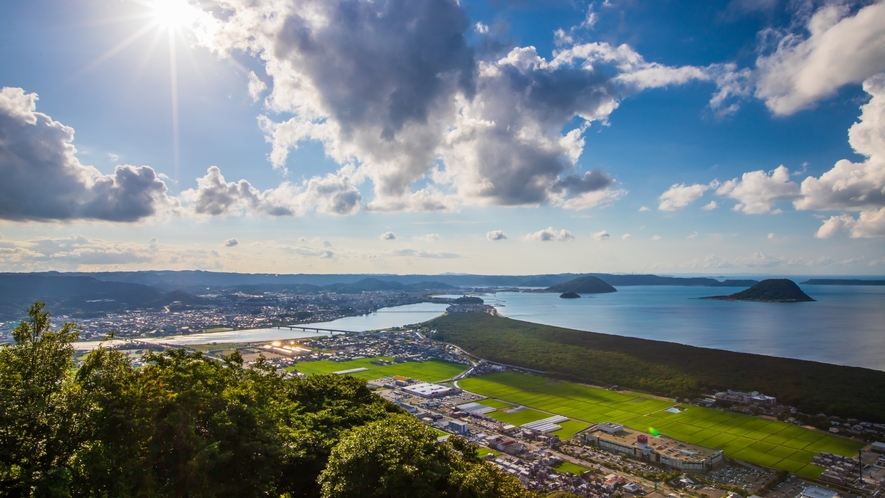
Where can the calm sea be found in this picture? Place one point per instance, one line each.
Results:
(845, 326)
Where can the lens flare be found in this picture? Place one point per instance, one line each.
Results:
(654, 432)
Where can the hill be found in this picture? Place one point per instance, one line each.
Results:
(80, 296)
(582, 285)
(665, 368)
(569, 295)
(773, 290)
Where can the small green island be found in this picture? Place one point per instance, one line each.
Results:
(582, 285)
(773, 290)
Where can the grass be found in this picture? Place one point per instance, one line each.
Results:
(427, 371)
(483, 451)
(755, 440)
(518, 418)
(570, 468)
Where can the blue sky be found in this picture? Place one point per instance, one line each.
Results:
(429, 136)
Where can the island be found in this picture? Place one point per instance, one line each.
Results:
(582, 285)
(569, 295)
(842, 281)
(773, 290)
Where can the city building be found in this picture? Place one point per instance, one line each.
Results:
(426, 390)
(662, 450)
(751, 398)
(458, 427)
(816, 492)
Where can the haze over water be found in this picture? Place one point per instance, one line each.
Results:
(845, 326)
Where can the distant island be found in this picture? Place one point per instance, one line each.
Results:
(842, 281)
(773, 290)
(582, 285)
(569, 295)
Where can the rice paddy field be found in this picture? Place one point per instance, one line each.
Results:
(569, 428)
(427, 371)
(752, 439)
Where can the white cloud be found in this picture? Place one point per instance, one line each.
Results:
(256, 86)
(231, 242)
(430, 237)
(332, 194)
(425, 254)
(549, 234)
(113, 157)
(388, 236)
(656, 237)
(626, 236)
(603, 235)
(37, 155)
(710, 206)
(694, 235)
(680, 195)
(839, 49)
(397, 92)
(496, 235)
(644, 209)
(870, 223)
(855, 186)
(757, 191)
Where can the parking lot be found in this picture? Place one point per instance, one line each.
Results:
(743, 477)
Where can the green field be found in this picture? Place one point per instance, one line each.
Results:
(570, 468)
(755, 440)
(428, 371)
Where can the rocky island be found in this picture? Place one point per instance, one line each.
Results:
(569, 295)
(773, 290)
(582, 285)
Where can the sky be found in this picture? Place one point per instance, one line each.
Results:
(432, 136)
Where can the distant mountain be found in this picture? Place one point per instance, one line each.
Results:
(374, 284)
(774, 290)
(842, 281)
(582, 285)
(80, 296)
(199, 282)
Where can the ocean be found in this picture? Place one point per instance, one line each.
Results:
(844, 326)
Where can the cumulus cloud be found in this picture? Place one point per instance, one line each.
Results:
(710, 206)
(388, 236)
(394, 89)
(37, 155)
(693, 236)
(644, 209)
(680, 195)
(838, 49)
(496, 235)
(626, 236)
(332, 194)
(656, 237)
(870, 223)
(757, 191)
(231, 242)
(603, 235)
(550, 234)
(849, 185)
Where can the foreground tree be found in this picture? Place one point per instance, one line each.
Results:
(38, 427)
(186, 425)
(401, 456)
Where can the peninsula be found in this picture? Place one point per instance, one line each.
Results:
(773, 290)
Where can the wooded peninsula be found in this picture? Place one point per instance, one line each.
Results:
(665, 368)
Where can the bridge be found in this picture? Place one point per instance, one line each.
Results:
(313, 329)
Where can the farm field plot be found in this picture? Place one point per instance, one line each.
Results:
(570, 468)
(763, 442)
(427, 371)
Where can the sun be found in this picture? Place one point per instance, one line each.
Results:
(173, 14)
